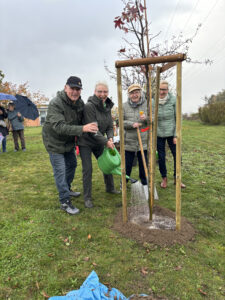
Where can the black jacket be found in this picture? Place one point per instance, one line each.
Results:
(3, 129)
(94, 111)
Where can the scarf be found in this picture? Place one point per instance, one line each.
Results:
(163, 100)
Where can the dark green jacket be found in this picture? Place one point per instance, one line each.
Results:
(167, 117)
(63, 123)
(94, 111)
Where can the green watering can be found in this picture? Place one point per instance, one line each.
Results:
(109, 163)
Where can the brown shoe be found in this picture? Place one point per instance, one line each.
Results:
(182, 185)
(164, 183)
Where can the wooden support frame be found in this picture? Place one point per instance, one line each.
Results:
(171, 60)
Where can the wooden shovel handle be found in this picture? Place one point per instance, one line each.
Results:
(142, 152)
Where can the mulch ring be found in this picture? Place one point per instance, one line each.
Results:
(142, 233)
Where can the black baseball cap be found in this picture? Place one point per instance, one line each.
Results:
(74, 81)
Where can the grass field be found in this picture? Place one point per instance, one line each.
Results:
(45, 252)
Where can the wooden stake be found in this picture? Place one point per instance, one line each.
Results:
(178, 147)
(154, 142)
(122, 148)
(150, 60)
(142, 153)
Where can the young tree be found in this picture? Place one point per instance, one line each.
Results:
(133, 23)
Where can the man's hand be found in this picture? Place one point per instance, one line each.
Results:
(90, 127)
(110, 144)
(19, 114)
(143, 117)
(174, 140)
(136, 125)
(1, 112)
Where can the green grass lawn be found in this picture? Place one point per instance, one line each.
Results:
(45, 251)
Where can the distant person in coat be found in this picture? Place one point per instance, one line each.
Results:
(16, 120)
(64, 123)
(166, 131)
(135, 116)
(3, 127)
(97, 109)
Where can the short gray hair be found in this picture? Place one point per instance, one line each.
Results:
(101, 83)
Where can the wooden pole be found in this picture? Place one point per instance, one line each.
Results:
(149, 90)
(156, 106)
(122, 148)
(150, 60)
(178, 147)
(167, 67)
(142, 153)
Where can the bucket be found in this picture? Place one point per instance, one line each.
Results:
(109, 162)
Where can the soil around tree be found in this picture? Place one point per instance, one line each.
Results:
(143, 234)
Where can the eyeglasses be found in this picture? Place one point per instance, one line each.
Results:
(163, 90)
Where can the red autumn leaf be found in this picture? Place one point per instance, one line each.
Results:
(50, 254)
(122, 50)
(142, 8)
(154, 53)
(202, 292)
(125, 29)
(118, 23)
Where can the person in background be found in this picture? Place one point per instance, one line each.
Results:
(64, 123)
(16, 120)
(134, 115)
(3, 127)
(166, 131)
(98, 110)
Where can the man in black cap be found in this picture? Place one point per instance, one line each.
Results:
(63, 123)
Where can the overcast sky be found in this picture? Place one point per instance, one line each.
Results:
(45, 41)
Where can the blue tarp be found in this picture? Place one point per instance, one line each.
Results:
(92, 289)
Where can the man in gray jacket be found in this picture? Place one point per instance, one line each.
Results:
(64, 123)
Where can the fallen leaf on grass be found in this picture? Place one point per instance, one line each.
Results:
(144, 271)
(178, 268)
(86, 258)
(94, 264)
(19, 255)
(89, 236)
(74, 228)
(203, 182)
(50, 254)
(202, 292)
(44, 294)
(37, 285)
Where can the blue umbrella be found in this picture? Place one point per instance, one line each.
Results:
(26, 107)
(7, 97)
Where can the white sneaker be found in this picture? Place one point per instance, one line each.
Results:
(69, 208)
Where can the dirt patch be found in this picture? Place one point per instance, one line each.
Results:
(161, 231)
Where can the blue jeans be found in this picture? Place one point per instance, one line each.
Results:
(161, 148)
(64, 166)
(4, 144)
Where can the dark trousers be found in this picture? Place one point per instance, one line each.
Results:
(85, 154)
(20, 134)
(129, 158)
(64, 166)
(161, 148)
(4, 144)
